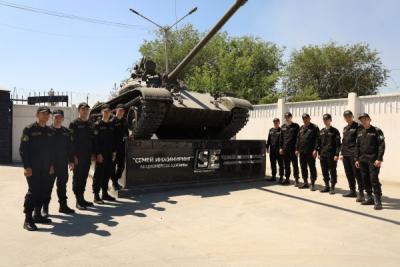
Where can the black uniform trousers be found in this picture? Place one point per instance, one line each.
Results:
(38, 184)
(81, 172)
(274, 158)
(61, 175)
(118, 165)
(370, 176)
(352, 173)
(328, 167)
(307, 161)
(289, 157)
(102, 174)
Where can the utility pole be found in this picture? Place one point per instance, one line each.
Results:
(165, 30)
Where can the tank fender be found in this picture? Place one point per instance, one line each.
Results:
(150, 93)
(232, 102)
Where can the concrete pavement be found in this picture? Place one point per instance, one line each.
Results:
(253, 224)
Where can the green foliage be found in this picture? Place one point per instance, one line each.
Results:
(332, 71)
(308, 94)
(244, 66)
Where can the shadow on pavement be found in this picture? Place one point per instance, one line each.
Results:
(334, 206)
(82, 224)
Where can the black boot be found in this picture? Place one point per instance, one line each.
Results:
(80, 204)
(305, 185)
(360, 196)
(280, 180)
(65, 209)
(107, 197)
(286, 182)
(272, 179)
(87, 203)
(45, 210)
(326, 188)
(332, 189)
(312, 188)
(351, 193)
(378, 203)
(97, 199)
(116, 186)
(296, 182)
(38, 218)
(29, 224)
(368, 200)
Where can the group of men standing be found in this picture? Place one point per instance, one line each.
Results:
(361, 150)
(48, 151)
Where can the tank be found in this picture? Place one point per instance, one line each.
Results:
(161, 105)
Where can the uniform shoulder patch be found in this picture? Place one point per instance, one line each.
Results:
(25, 138)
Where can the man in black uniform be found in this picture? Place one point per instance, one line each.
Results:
(328, 150)
(306, 147)
(63, 156)
(273, 150)
(287, 147)
(369, 156)
(104, 150)
(37, 156)
(348, 151)
(82, 139)
(121, 133)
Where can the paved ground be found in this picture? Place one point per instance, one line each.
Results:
(254, 224)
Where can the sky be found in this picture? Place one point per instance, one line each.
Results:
(39, 52)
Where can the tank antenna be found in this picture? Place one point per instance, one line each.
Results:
(164, 29)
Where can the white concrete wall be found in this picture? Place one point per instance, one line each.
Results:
(24, 115)
(383, 109)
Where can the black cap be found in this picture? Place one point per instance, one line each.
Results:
(363, 115)
(58, 112)
(347, 113)
(121, 106)
(44, 109)
(305, 115)
(327, 116)
(275, 119)
(288, 114)
(83, 105)
(105, 106)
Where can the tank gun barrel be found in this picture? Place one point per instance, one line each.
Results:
(173, 74)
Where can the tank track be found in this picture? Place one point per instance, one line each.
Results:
(238, 120)
(150, 118)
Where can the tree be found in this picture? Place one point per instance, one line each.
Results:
(244, 66)
(332, 71)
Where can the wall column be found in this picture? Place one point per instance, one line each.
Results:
(281, 109)
(353, 103)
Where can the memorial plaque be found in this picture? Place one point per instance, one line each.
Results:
(170, 161)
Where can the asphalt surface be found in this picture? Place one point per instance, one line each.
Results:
(249, 224)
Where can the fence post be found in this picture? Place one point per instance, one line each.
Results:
(353, 103)
(281, 109)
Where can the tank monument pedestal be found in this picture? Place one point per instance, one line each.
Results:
(155, 165)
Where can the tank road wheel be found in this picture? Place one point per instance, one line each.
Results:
(234, 123)
(145, 117)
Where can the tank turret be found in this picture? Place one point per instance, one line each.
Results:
(160, 105)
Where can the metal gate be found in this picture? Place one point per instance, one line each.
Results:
(5, 127)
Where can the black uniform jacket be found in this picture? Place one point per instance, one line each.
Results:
(121, 132)
(307, 139)
(273, 139)
(350, 133)
(82, 137)
(370, 144)
(104, 138)
(36, 147)
(288, 137)
(62, 142)
(329, 142)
